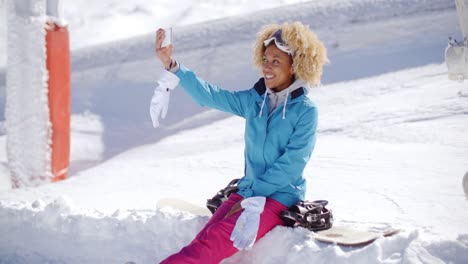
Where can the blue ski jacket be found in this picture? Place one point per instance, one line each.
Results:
(276, 149)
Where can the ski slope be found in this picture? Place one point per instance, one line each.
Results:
(97, 22)
(391, 148)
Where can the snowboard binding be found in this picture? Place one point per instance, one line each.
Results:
(221, 196)
(311, 215)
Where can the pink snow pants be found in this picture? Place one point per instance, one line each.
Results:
(213, 243)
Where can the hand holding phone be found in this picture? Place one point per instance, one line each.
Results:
(163, 46)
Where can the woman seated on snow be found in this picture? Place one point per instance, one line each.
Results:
(279, 135)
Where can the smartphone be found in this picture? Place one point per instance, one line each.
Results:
(168, 39)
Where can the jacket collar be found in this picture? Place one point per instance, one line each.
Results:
(260, 88)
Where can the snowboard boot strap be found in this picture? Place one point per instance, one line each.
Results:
(221, 196)
(311, 215)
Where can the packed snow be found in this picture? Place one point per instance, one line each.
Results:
(391, 148)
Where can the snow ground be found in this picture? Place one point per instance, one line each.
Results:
(391, 150)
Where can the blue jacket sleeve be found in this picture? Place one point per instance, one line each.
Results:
(290, 166)
(206, 94)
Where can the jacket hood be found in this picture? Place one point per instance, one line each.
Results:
(296, 89)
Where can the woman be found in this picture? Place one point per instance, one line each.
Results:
(279, 135)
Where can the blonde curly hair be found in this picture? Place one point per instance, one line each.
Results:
(309, 53)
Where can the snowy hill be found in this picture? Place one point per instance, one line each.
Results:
(97, 22)
(391, 148)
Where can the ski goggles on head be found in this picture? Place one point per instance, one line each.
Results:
(279, 42)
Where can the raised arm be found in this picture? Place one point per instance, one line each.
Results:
(202, 92)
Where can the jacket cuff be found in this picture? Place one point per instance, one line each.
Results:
(174, 67)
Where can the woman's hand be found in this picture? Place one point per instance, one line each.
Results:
(164, 53)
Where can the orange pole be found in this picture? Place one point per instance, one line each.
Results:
(58, 65)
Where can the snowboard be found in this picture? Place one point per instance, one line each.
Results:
(350, 236)
(338, 234)
(183, 206)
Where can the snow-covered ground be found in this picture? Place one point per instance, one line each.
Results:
(391, 149)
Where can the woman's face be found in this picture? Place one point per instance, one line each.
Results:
(277, 68)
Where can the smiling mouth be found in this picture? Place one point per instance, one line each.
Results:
(269, 76)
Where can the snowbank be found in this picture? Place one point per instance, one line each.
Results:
(59, 233)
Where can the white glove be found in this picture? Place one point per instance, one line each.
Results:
(245, 231)
(160, 101)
